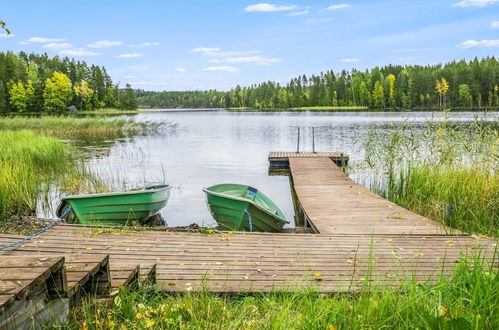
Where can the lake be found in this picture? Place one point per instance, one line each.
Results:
(219, 146)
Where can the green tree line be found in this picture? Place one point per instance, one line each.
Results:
(39, 83)
(182, 99)
(457, 84)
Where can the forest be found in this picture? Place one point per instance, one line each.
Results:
(454, 85)
(39, 83)
(182, 99)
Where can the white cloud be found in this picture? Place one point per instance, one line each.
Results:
(145, 44)
(105, 44)
(257, 60)
(130, 55)
(494, 24)
(317, 20)
(479, 43)
(267, 8)
(475, 3)
(339, 6)
(5, 35)
(57, 45)
(130, 76)
(222, 68)
(77, 52)
(350, 60)
(298, 13)
(205, 50)
(181, 70)
(215, 51)
(41, 40)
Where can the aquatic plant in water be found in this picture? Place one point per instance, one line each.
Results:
(446, 171)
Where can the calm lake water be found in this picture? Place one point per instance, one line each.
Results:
(218, 146)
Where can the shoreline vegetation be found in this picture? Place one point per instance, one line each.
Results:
(446, 171)
(96, 128)
(357, 109)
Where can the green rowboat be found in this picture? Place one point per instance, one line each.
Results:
(243, 208)
(116, 208)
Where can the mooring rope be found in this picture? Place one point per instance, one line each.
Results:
(249, 221)
(50, 225)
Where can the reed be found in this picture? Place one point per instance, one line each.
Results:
(81, 128)
(31, 165)
(444, 171)
(465, 300)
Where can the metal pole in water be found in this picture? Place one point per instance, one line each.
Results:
(313, 140)
(298, 144)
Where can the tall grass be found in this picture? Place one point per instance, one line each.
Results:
(445, 171)
(30, 163)
(466, 300)
(82, 128)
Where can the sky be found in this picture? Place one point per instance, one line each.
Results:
(217, 44)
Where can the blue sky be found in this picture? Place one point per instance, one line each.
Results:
(184, 45)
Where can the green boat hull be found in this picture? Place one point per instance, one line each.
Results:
(117, 208)
(233, 206)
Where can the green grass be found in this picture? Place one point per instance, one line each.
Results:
(466, 300)
(33, 166)
(443, 167)
(30, 164)
(26, 159)
(84, 128)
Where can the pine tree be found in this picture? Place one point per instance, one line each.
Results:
(129, 100)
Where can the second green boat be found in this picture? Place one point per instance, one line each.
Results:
(243, 208)
(116, 208)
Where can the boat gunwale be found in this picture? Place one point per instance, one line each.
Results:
(276, 216)
(65, 200)
(118, 193)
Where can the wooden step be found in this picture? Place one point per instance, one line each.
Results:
(87, 275)
(32, 288)
(147, 274)
(124, 275)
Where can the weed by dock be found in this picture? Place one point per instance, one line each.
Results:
(445, 171)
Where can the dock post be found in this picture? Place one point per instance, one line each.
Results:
(298, 144)
(313, 140)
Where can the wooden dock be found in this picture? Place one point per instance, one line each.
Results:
(332, 203)
(360, 238)
(279, 160)
(256, 262)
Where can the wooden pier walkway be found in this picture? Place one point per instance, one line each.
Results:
(359, 238)
(333, 203)
(255, 262)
